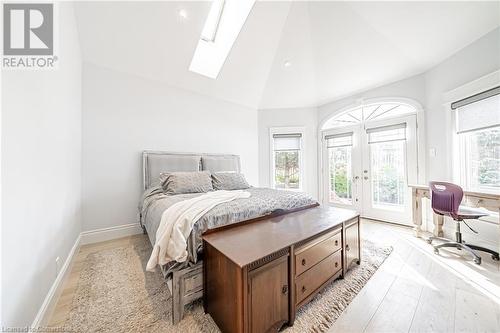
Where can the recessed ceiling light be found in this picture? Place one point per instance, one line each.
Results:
(287, 63)
(183, 14)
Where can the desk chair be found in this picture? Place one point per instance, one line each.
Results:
(445, 200)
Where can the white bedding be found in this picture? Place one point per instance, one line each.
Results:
(177, 223)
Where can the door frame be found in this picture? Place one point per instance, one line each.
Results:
(326, 115)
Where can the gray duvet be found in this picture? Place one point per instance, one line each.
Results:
(261, 202)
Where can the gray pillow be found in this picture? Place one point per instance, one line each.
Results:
(229, 181)
(186, 182)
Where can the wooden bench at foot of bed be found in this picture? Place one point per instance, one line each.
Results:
(257, 275)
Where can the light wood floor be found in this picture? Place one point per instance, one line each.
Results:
(416, 290)
(413, 291)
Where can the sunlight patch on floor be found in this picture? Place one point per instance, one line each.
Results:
(485, 277)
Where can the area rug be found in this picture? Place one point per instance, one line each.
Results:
(116, 294)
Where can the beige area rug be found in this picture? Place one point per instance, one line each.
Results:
(115, 294)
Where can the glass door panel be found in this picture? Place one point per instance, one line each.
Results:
(388, 176)
(341, 166)
(340, 175)
(389, 156)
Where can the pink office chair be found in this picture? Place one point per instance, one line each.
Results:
(445, 200)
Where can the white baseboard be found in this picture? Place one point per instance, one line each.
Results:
(53, 295)
(86, 237)
(104, 234)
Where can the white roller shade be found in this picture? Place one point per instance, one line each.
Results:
(395, 132)
(479, 115)
(287, 141)
(339, 140)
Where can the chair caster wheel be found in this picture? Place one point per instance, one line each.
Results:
(495, 257)
(436, 251)
(477, 261)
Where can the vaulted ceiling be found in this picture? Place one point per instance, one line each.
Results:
(332, 49)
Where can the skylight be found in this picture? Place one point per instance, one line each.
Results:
(223, 24)
(213, 20)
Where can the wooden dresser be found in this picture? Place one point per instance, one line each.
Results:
(257, 275)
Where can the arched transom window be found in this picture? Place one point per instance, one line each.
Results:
(369, 112)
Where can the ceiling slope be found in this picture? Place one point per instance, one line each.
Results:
(332, 49)
(151, 40)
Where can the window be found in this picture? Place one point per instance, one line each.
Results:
(369, 112)
(478, 131)
(287, 160)
(222, 26)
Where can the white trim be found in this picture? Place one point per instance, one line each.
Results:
(85, 237)
(474, 87)
(104, 234)
(52, 297)
(288, 130)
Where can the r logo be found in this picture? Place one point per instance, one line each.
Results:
(28, 29)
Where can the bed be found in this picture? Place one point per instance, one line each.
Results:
(185, 279)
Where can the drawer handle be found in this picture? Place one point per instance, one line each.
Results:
(303, 262)
(284, 290)
(336, 242)
(303, 289)
(336, 264)
(347, 247)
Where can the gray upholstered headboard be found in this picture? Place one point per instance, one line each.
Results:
(156, 162)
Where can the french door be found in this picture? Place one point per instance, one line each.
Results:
(367, 167)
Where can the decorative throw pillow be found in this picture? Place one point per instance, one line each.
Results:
(186, 182)
(229, 181)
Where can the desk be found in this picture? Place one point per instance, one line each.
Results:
(473, 199)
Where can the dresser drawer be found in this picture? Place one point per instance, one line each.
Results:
(316, 251)
(311, 280)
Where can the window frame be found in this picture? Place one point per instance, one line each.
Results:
(456, 166)
(272, 160)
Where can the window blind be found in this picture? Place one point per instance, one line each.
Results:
(339, 140)
(481, 114)
(289, 141)
(476, 98)
(387, 133)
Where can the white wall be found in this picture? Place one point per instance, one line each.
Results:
(41, 175)
(301, 117)
(474, 61)
(471, 63)
(125, 114)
